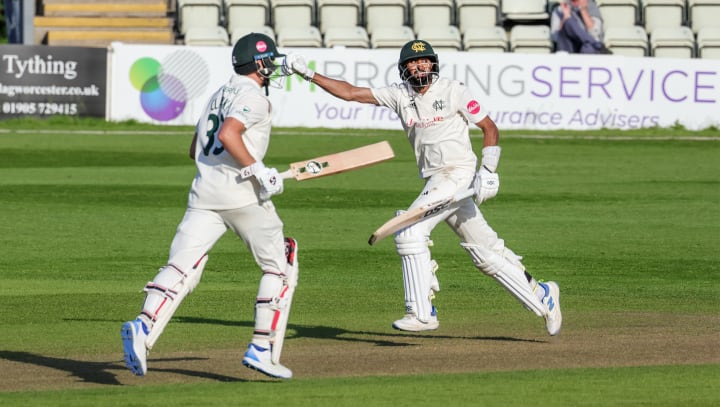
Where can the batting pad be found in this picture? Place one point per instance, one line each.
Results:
(165, 293)
(280, 320)
(418, 276)
(509, 275)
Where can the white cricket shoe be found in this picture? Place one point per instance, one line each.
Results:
(258, 358)
(410, 323)
(133, 339)
(551, 301)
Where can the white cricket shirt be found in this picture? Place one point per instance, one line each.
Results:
(217, 184)
(436, 123)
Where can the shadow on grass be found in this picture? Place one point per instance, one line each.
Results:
(340, 334)
(102, 372)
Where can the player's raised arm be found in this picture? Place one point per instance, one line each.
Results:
(340, 89)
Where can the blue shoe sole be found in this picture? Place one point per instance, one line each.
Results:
(131, 359)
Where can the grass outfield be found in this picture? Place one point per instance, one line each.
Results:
(629, 228)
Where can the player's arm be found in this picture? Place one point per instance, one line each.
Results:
(487, 182)
(193, 146)
(490, 131)
(230, 135)
(344, 90)
(340, 89)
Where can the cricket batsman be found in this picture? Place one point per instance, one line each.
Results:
(435, 112)
(231, 137)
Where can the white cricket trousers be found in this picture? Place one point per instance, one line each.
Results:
(258, 226)
(463, 217)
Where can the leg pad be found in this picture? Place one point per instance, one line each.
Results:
(164, 295)
(510, 275)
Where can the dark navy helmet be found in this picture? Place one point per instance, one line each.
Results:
(252, 48)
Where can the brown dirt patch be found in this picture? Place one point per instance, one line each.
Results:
(635, 340)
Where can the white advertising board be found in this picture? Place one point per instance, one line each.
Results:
(170, 85)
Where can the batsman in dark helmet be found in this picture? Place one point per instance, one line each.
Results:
(232, 189)
(435, 113)
(424, 60)
(256, 53)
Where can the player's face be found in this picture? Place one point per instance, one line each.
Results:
(419, 67)
(266, 67)
(418, 72)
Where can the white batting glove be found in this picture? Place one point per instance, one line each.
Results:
(486, 185)
(271, 183)
(298, 65)
(487, 182)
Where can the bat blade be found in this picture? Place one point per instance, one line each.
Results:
(340, 162)
(416, 215)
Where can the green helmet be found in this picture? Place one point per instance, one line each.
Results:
(252, 48)
(417, 49)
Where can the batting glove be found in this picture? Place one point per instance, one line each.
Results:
(271, 183)
(298, 65)
(486, 185)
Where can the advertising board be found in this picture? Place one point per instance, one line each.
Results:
(46, 81)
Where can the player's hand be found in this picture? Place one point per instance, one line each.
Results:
(297, 64)
(271, 183)
(486, 185)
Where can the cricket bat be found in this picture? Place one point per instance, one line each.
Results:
(416, 215)
(336, 163)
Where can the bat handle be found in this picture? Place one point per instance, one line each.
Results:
(287, 174)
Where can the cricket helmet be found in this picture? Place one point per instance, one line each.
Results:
(413, 50)
(252, 48)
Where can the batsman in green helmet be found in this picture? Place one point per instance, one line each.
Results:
(435, 113)
(418, 53)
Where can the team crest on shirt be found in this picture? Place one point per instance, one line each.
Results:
(438, 105)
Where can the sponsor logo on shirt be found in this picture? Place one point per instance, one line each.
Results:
(424, 123)
(473, 107)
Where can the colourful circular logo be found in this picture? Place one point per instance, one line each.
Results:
(166, 87)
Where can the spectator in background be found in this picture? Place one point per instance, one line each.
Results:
(13, 21)
(576, 27)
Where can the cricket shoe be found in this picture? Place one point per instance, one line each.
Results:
(551, 301)
(259, 358)
(411, 323)
(135, 352)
